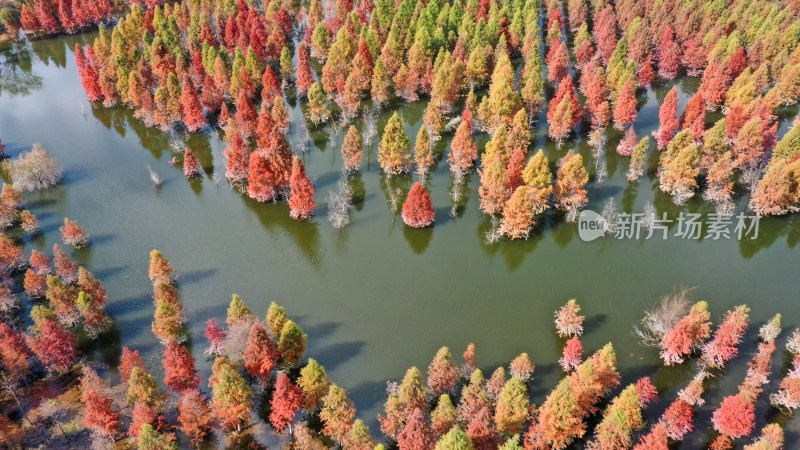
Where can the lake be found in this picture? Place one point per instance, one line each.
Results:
(377, 296)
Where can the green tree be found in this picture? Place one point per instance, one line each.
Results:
(393, 152)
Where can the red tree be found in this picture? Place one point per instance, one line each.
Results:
(179, 371)
(215, 336)
(260, 177)
(194, 415)
(286, 402)
(14, 352)
(237, 156)
(668, 119)
(193, 116)
(571, 358)
(260, 355)
(625, 110)
(735, 417)
(127, 361)
(246, 115)
(628, 143)
(557, 62)
(191, 166)
(40, 263)
(678, 419)
(88, 74)
(140, 415)
(715, 83)
(99, 414)
(72, 234)
(417, 433)
(725, 344)
(55, 347)
(305, 76)
(687, 335)
(301, 198)
(418, 207)
(481, 431)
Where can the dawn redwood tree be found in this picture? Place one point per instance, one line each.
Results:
(394, 153)
(474, 397)
(99, 413)
(14, 352)
(261, 177)
(72, 234)
(568, 322)
(237, 155)
(337, 414)
(638, 159)
(564, 111)
(724, 346)
(351, 150)
(194, 416)
(687, 335)
(191, 166)
(215, 336)
(88, 74)
(179, 368)
(305, 75)
(620, 420)
(314, 383)
(260, 355)
(481, 431)
(571, 179)
(160, 269)
(301, 198)
(127, 361)
(716, 80)
(625, 107)
(463, 151)
(193, 116)
(423, 154)
(557, 62)
(286, 402)
(521, 367)
(291, 344)
(418, 207)
(561, 416)
(443, 417)
(518, 214)
(442, 373)
(29, 223)
(276, 318)
(167, 321)
(417, 433)
(571, 357)
(735, 417)
(493, 190)
(232, 398)
(668, 119)
(55, 347)
(679, 167)
(777, 192)
(512, 407)
(628, 142)
(238, 311)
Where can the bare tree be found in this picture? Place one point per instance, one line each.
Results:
(11, 386)
(493, 235)
(662, 317)
(649, 217)
(154, 177)
(611, 215)
(52, 411)
(339, 204)
(35, 170)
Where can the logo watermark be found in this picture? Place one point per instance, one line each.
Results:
(592, 225)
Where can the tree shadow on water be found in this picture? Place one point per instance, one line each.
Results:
(418, 238)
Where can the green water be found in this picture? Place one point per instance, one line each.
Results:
(378, 297)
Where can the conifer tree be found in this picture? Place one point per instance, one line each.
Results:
(237, 155)
(668, 119)
(314, 383)
(423, 155)
(301, 199)
(625, 109)
(291, 344)
(394, 153)
(193, 116)
(571, 179)
(286, 402)
(518, 214)
(317, 111)
(261, 355)
(232, 398)
(418, 207)
(179, 368)
(351, 150)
